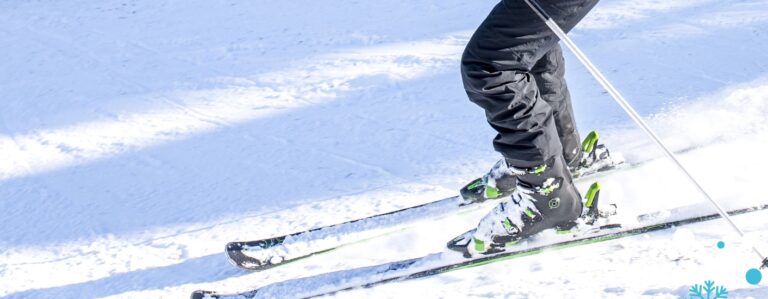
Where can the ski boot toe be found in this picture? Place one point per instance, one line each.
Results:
(499, 182)
(469, 246)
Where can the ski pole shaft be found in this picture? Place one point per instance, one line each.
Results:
(534, 4)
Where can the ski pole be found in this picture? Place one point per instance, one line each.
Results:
(534, 4)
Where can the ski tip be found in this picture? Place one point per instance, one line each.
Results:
(234, 253)
(242, 261)
(199, 294)
(234, 246)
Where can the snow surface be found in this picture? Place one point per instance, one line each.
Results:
(138, 137)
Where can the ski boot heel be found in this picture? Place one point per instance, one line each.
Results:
(595, 157)
(594, 210)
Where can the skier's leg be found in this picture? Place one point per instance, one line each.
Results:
(497, 71)
(549, 73)
(497, 66)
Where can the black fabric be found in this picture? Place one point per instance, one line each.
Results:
(513, 69)
(549, 73)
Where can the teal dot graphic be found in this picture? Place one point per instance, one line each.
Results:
(721, 244)
(754, 276)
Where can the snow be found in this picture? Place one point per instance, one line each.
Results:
(138, 137)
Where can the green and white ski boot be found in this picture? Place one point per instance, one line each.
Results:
(529, 210)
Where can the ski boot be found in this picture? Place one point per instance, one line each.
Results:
(543, 198)
(501, 180)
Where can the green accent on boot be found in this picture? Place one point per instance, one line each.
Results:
(479, 245)
(592, 193)
(540, 169)
(589, 143)
(562, 231)
(491, 192)
(507, 224)
(547, 190)
(511, 243)
(474, 185)
(529, 213)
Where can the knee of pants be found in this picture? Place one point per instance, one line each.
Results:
(478, 72)
(484, 79)
(472, 75)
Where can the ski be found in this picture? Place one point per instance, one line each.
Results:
(268, 253)
(437, 263)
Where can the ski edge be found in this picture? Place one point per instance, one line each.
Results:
(483, 260)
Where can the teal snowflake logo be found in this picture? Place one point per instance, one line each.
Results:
(709, 288)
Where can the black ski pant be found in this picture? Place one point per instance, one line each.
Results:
(513, 68)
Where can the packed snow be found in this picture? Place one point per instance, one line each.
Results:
(138, 137)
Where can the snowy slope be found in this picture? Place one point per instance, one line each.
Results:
(138, 137)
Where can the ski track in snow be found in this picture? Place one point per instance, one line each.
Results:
(138, 137)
